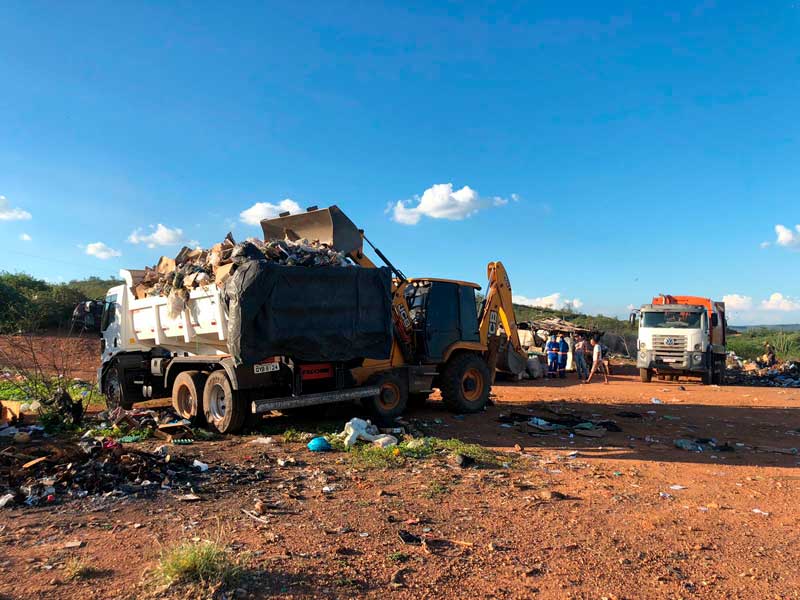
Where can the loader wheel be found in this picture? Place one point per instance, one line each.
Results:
(223, 408)
(114, 391)
(187, 396)
(465, 384)
(392, 400)
(646, 375)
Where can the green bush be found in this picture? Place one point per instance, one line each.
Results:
(27, 303)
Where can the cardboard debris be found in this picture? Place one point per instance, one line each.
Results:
(193, 268)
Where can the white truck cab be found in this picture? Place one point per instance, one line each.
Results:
(682, 338)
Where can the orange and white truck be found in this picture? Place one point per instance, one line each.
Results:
(682, 336)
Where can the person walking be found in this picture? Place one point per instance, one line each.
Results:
(552, 356)
(597, 360)
(579, 356)
(563, 354)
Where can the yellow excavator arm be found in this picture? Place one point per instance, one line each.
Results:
(498, 310)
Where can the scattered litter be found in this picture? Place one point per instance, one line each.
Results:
(655, 401)
(677, 487)
(665, 495)
(74, 544)
(7, 499)
(200, 466)
(319, 444)
(385, 441)
(409, 538)
(758, 511)
(262, 440)
(359, 429)
(189, 498)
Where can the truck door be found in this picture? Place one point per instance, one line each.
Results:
(110, 327)
(442, 326)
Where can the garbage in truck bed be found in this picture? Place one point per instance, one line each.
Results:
(193, 268)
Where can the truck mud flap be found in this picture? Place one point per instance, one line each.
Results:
(268, 404)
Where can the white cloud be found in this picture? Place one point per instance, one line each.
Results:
(160, 235)
(266, 210)
(552, 301)
(12, 214)
(778, 301)
(25, 237)
(101, 251)
(786, 237)
(737, 302)
(441, 201)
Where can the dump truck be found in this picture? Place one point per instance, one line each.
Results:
(277, 337)
(682, 335)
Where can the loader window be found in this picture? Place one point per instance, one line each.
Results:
(109, 312)
(469, 315)
(442, 322)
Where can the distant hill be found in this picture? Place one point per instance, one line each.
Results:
(790, 327)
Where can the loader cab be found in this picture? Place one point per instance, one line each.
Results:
(443, 312)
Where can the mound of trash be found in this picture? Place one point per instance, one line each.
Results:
(193, 268)
(752, 372)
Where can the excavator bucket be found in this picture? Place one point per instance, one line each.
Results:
(511, 361)
(327, 225)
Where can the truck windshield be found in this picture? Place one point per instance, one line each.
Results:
(109, 311)
(672, 318)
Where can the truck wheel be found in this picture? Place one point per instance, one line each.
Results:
(187, 396)
(224, 410)
(709, 376)
(114, 390)
(646, 375)
(465, 383)
(392, 400)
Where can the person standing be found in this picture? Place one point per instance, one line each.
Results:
(563, 354)
(552, 356)
(580, 358)
(597, 360)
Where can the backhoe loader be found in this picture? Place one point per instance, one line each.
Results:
(441, 338)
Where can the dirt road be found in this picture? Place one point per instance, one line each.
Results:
(627, 515)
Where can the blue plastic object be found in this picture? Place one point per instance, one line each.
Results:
(319, 444)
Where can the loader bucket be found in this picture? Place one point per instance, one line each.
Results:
(510, 361)
(327, 225)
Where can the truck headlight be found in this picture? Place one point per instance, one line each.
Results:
(642, 346)
(698, 358)
(697, 347)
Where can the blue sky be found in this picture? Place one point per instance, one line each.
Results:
(610, 151)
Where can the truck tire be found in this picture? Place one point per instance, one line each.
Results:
(646, 375)
(187, 396)
(465, 383)
(393, 397)
(223, 408)
(114, 390)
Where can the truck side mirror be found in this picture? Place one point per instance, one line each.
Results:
(632, 319)
(714, 320)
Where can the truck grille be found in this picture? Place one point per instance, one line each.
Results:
(669, 348)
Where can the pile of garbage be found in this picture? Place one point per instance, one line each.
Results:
(193, 268)
(553, 422)
(38, 474)
(750, 372)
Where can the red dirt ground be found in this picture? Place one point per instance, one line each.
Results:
(613, 536)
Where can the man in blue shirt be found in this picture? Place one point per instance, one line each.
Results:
(563, 353)
(552, 356)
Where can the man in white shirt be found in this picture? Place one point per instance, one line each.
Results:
(597, 360)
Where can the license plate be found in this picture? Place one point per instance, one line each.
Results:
(266, 368)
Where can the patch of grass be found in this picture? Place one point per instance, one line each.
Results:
(479, 453)
(399, 557)
(197, 562)
(77, 568)
(436, 489)
(292, 435)
(372, 457)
